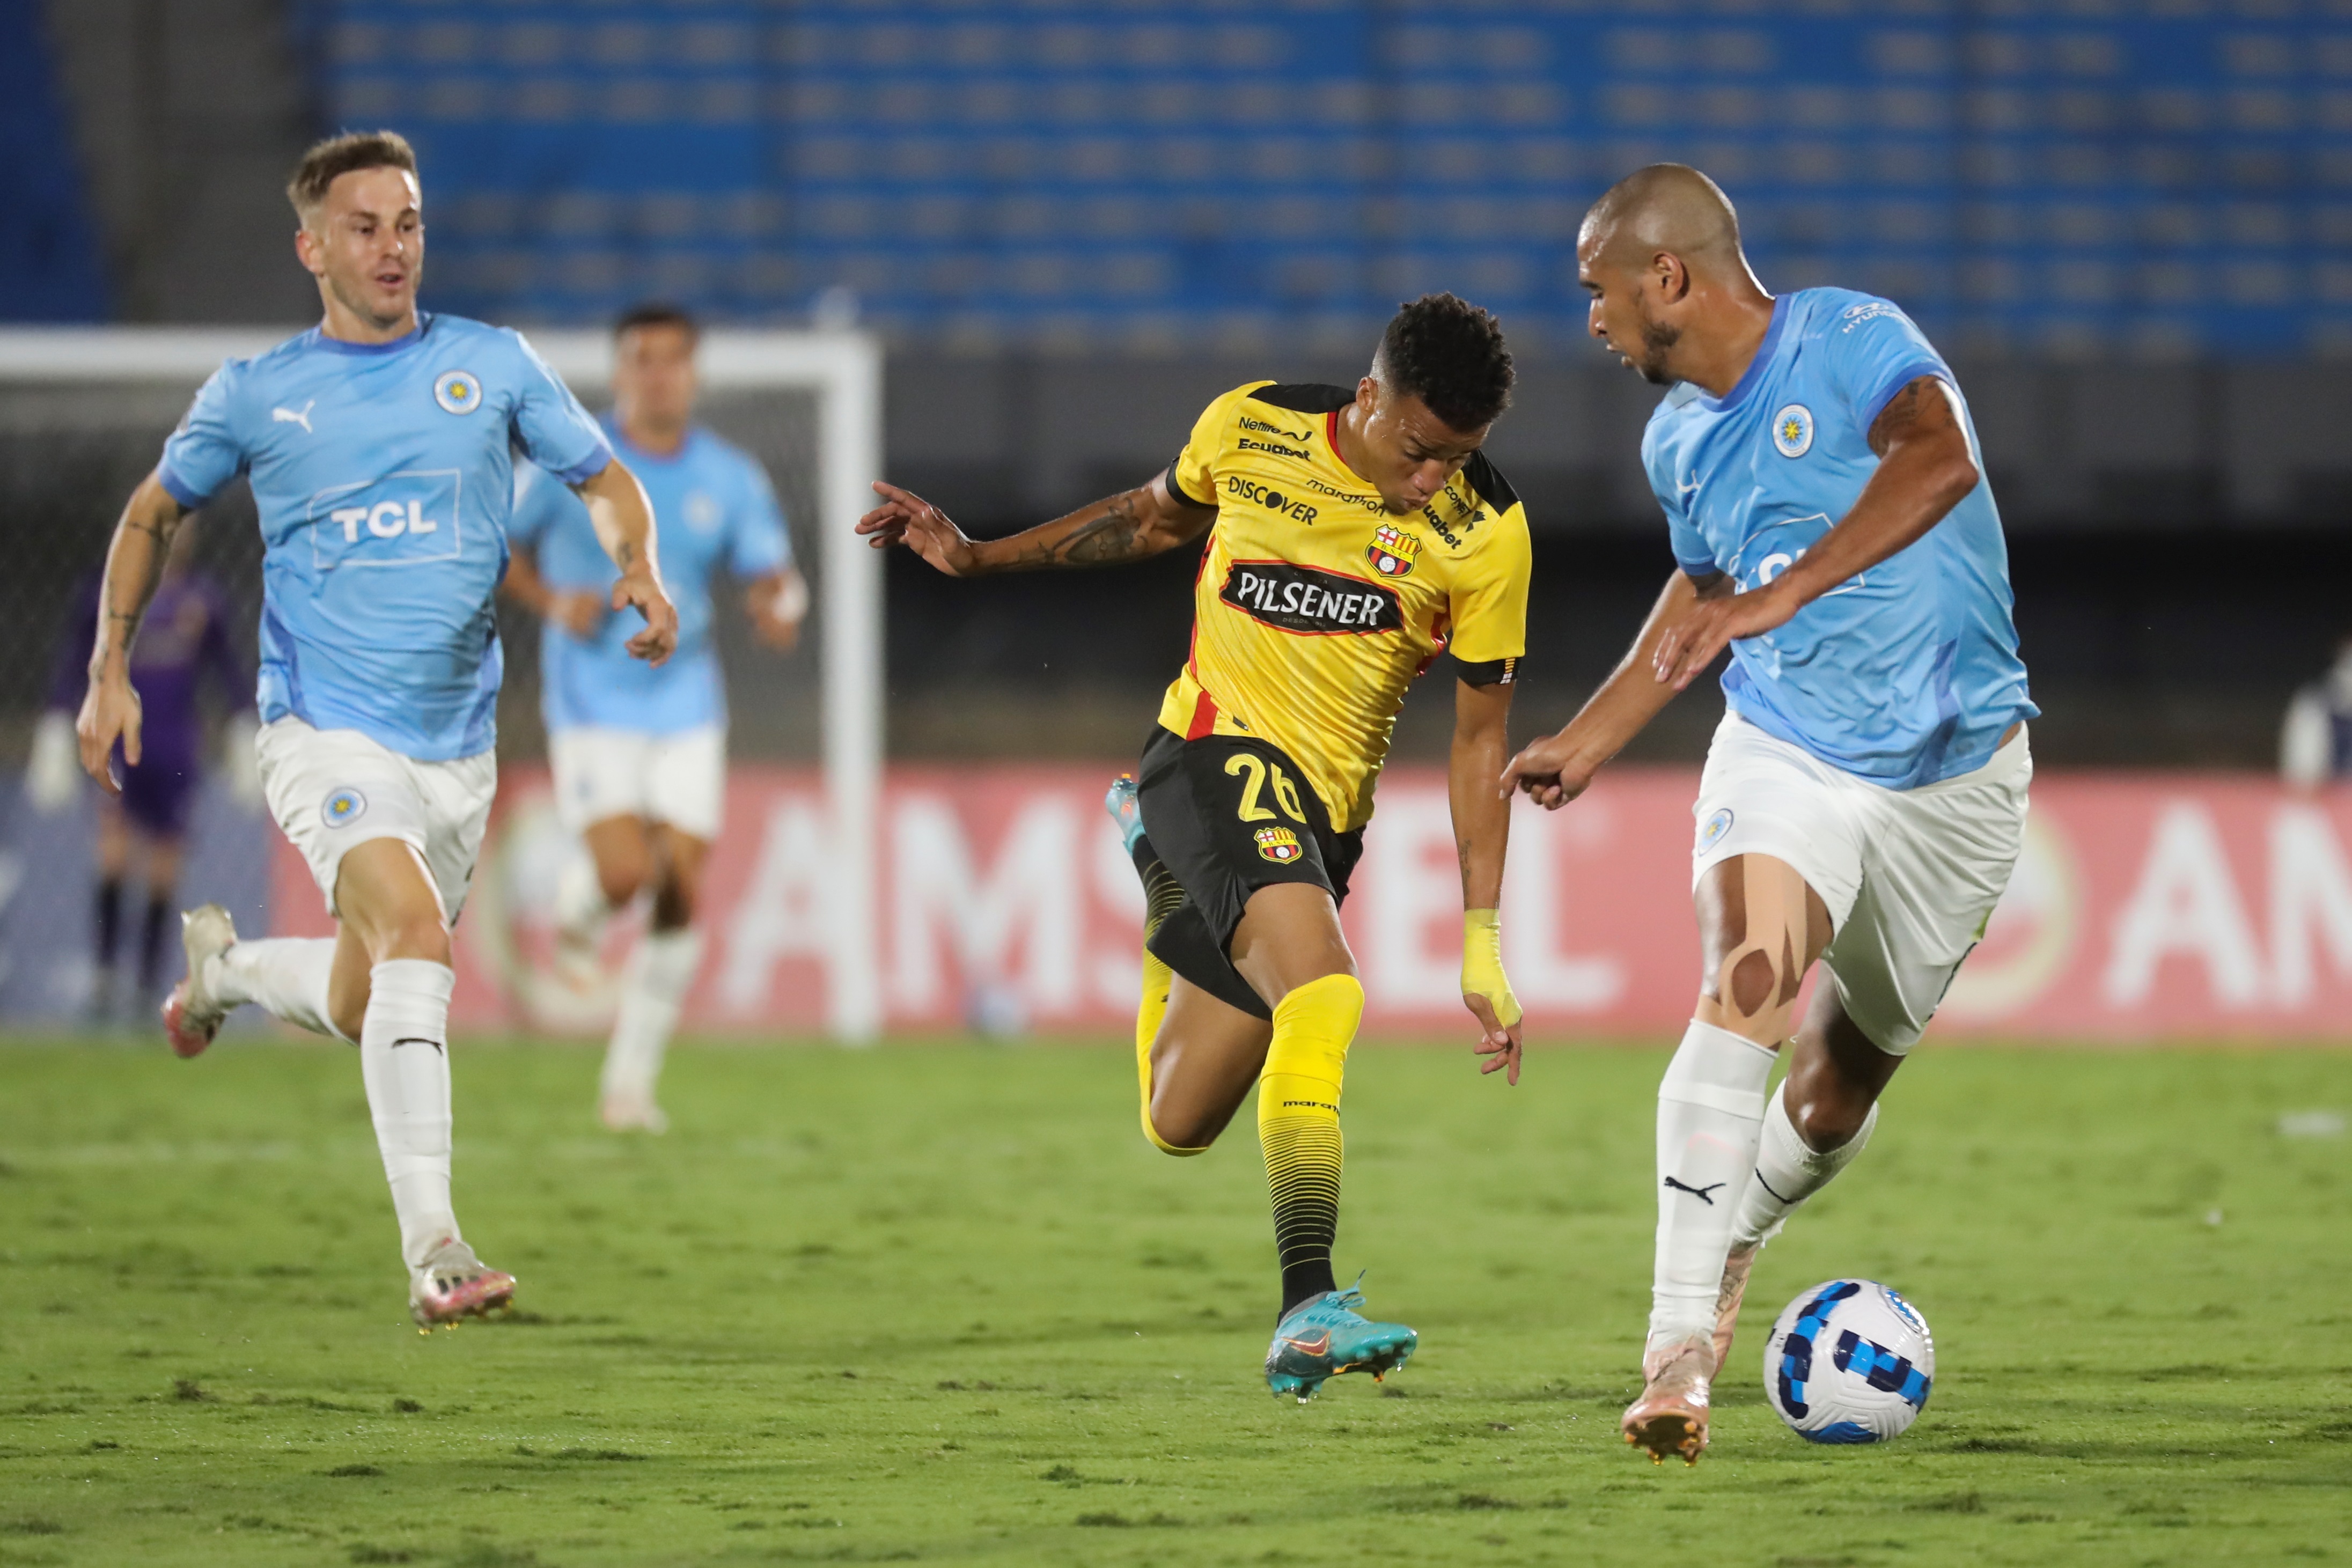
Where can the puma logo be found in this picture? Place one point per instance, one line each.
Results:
(288, 417)
(1701, 1193)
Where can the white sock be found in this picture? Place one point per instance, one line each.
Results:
(287, 976)
(1710, 1108)
(580, 907)
(652, 992)
(404, 1060)
(1788, 1171)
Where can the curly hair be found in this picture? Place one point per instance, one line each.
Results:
(1449, 353)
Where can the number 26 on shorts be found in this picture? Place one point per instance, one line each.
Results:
(1252, 771)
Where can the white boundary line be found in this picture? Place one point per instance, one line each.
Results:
(844, 369)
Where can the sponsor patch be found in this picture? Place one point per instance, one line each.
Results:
(457, 392)
(1392, 551)
(1712, 831)
(1310, 600)
(1279, 845)
(1272, 499)
(343, 807)
(1793, 431)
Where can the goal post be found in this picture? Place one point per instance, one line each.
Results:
(841, 370)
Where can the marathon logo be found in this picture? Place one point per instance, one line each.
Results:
(1309, 600)
(1247, 444)
(1273, 501)
(1370, 503)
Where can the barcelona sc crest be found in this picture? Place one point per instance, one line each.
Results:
(1279, 845)
(1392, 551)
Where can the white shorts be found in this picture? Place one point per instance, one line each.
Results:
(331, 789)
(679, 778)
(1910, 876)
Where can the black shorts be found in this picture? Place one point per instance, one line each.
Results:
(1228, 815)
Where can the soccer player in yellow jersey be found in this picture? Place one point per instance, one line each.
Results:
(1352, 536)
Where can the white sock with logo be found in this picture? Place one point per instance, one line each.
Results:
(404, 1061)
(1710, 1112)
(1788, 1171)
(652, 993)
(285, 976)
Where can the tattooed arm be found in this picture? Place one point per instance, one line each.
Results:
(1129, 526)
(625, 527)
(1925, 470)
(134, 565)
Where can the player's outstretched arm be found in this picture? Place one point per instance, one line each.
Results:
(134, 565)
(1130, 526)
(1558, 769)
(625, 527)
(1482, 831)
(1925, 469)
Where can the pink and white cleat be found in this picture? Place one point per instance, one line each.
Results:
(1671, 1416)
(452, 1283)
(1734, 1290)
(192, 1015)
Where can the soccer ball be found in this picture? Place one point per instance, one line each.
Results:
(1849, 1362)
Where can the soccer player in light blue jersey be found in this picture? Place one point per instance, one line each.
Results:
(640, 754)
(1864, 800)
(379, 449)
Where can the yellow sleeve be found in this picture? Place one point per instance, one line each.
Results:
(1489, 604)
(1194, 474)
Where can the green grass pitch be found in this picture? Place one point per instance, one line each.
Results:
(940, 1304)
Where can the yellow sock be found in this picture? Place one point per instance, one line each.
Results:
(1153, 1007)
(1298, 1124)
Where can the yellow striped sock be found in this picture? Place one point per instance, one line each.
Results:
(1298, 1124)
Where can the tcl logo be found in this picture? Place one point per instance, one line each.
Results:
(401, 519)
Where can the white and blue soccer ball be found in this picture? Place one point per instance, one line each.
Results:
(1850, 1360)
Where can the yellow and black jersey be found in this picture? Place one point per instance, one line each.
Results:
(1314, 608)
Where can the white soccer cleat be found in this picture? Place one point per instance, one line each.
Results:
(192, 1014)
(579, 957)
(1737, 1267)
(1671, 1416)
(633, 1113)
(453, 1283)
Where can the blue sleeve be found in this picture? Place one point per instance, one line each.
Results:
(1873, 351)
(550, 427)
(1690, 546)
(205, 453)
(761, 546)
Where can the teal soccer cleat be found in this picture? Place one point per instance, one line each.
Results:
(1325, 1336)
(1121, 803)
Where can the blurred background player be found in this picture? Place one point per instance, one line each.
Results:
(1864, 799)
(1354, 534)
(184, 646)
(2315, 741)
(380, 447)
(639, 753)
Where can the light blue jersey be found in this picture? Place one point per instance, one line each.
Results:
(383, 475)
(713, 508)
(1906, 674)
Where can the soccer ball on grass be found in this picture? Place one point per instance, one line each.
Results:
(1849, 1362)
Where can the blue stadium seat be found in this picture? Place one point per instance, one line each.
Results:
(2035, 179)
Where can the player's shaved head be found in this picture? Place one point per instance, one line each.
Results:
(1671, 289)
(1668, 207)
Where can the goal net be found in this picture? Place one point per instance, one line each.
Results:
(83, 415)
